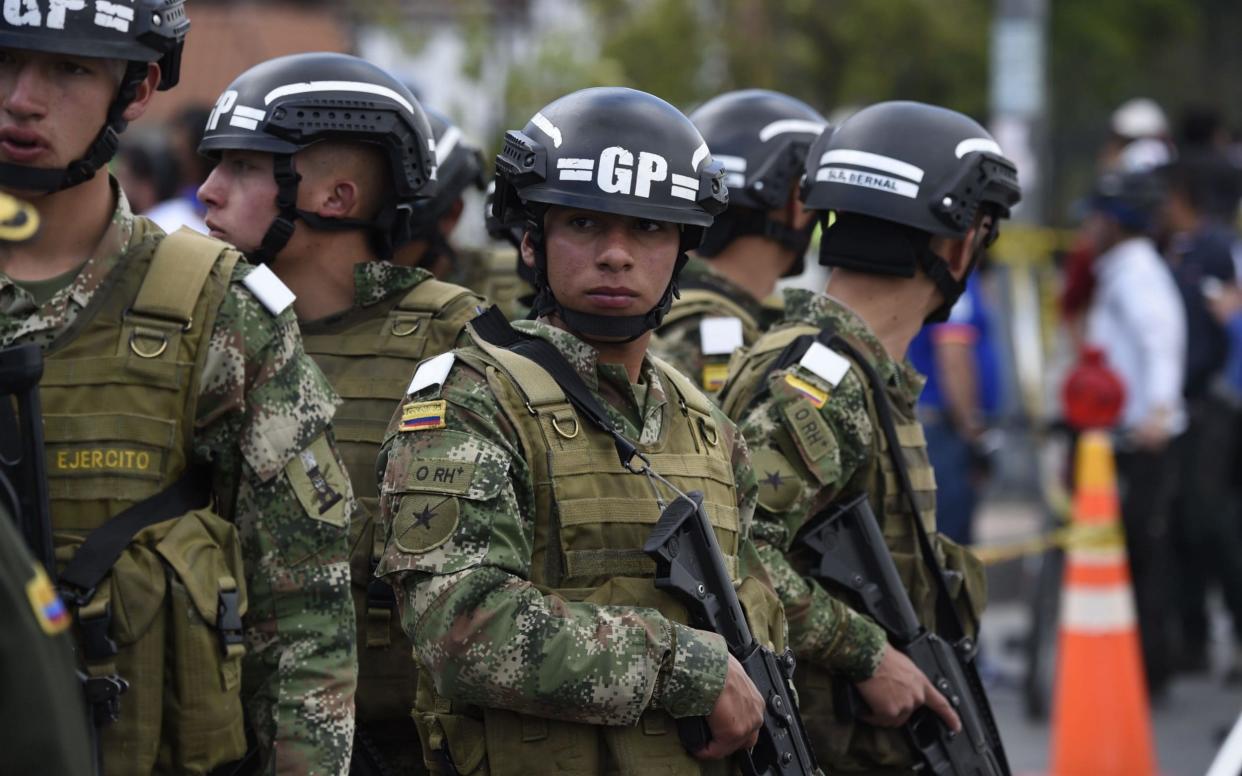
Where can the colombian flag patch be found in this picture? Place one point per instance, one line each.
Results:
(714, 376)
(813, 394)
(48, 609)
(422, 415)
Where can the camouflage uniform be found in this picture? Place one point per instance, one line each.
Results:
(463, 553)
(369, 365)
(815, 443)
(260, 403)
(491, 272)
(705, 292)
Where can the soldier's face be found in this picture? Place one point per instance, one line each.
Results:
(607, 264)
(240, 195)
(52, 105)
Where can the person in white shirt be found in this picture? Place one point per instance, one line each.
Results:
(1138, 319)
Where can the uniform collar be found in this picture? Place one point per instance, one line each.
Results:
(375, 281)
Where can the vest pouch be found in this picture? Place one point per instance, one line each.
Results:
(521, 745)
(968, 583)
(446, 732)
(637, 591)
(207, 599)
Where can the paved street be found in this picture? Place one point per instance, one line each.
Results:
(1189, 724)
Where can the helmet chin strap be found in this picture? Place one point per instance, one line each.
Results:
(45, 180)
(613, 328)
(281, 229)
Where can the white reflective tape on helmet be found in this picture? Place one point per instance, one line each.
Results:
(549, 129)
(785, 126)
(970, 145)
(873, 162)
(361, 87)
(246, 118)
(700, 154)
(452, 136)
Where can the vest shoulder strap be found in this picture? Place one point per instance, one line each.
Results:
(432, 296)
(539, 388)
(178, 272)
(702, 301)
(778, 340)
(685, 387)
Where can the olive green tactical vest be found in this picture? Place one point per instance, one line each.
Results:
(591, 520)
(855, 748)
(704, 302)
(369, 355)
(492, 273)
(119, 392)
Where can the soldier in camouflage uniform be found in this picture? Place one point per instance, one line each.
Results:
(761, 138)
(917, 191)
(514, 533)
(365, 320)
(175, 383)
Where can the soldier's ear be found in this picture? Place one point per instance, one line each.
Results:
(528, 250)
(142, 97)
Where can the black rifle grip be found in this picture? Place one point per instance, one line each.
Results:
(694, 733)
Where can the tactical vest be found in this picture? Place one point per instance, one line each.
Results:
(847, 747)
(702, 303)
(591, 519)
(119, 393)
(492, 274)
(368, 355)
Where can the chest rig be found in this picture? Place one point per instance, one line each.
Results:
(368, 355)
(700, 301)
(154, 576)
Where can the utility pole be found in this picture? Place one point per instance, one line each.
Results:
(1019, 98)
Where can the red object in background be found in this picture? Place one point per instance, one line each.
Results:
(1079, 278)
(1093, 394)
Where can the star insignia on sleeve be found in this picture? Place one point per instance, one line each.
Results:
(774, 479)
(424, 518)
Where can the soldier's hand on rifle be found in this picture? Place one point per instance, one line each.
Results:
(897, 689)
(737, 716)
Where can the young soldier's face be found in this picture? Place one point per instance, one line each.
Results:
(608, 264)
(240, 195)
(52, 105)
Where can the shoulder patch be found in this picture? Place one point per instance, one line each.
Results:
(779, 483)
(49, 610)
(425, 521)
(720, 335)
(271, 292)
(808, 390)
(825, 363)
(714, 376)
(433, 371)
(320, 484)
(423, 415)
(810, 430)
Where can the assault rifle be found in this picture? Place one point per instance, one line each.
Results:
(850, 552)
(23, 481)
(690, 566)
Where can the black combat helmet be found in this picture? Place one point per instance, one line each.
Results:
(459, 165)
(290, 103)
(761, 138)
(612, 150)
(137, 32)
(897, 173)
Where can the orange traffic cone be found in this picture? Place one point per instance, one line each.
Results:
(1101, 724)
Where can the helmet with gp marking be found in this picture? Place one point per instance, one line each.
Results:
(137, 32)
(612, 150)
(761, 138)
(290, 103)
(897, 173)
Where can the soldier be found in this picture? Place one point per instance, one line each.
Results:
(338, 195)
(761, 138)
(917, 191)
(42, 712)
(197, 496)
(515, 533)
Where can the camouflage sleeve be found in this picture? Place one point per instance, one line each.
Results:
(458, 504)
(808, 441)
(263, 424)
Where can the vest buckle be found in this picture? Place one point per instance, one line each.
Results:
(97, 645)
(103, 697)
(228, 620)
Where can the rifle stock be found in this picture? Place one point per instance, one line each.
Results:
(690, 566)
(850, 552)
